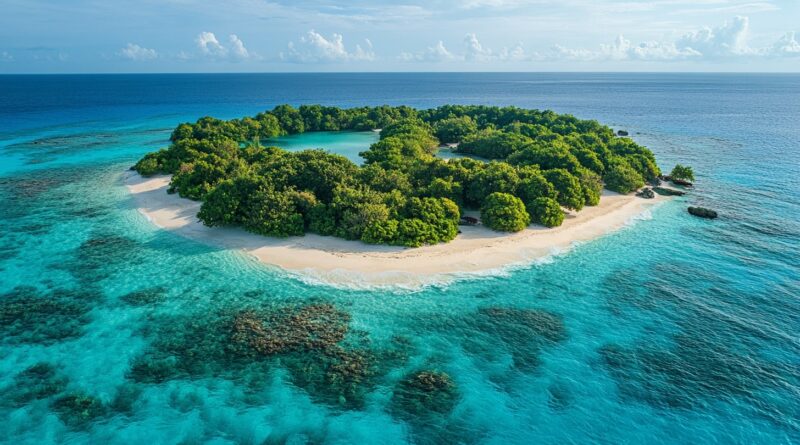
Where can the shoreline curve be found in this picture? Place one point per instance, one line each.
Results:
(334, 261)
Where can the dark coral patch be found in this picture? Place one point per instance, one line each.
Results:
(686, 375)
(423, 394)
(313, 342)
(145, 297)
(316, 326)
(28, 316)
(38, 382)
(523, 332)
(78, 409)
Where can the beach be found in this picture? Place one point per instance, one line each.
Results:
(477, 250)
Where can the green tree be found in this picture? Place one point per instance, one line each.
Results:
(545, 211)
(547, 157)
(495, 177)
(504, 212)
(492, 144)
(414, 232)
(454, 129)
(683, 172)
(228, 202)
(569, 192)
(592, 185)
(149, 165)
(273, 213)
(381, 232)
(622, 178)
(534, 185)
(289, 118)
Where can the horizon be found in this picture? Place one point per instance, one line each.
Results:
(201, 73)
(189, 36)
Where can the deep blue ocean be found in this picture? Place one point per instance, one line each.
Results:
(672, 330)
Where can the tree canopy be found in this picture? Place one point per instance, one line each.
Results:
(683, 172)
(403, 194)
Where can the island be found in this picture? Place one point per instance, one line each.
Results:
(536, 173)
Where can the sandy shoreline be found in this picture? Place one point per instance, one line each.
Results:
(341, 262)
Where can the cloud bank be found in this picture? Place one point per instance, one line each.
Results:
(723, 42)
(138, 53)
(314, 47)
(472, 51)
(210, 47)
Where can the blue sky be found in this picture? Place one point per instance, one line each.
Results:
(67, 36)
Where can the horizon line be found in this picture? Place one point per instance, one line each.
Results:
(386, 72)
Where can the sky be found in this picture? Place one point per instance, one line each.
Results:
(131, 36)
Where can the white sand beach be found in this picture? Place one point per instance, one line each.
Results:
(340, 262)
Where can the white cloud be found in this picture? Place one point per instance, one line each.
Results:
(474, 52)
(729, 39)
(436, 53)
(786, 46)
(237, 47)
(209, 45)
(726, 41)
(314, 47)
(515, 54)
(622, 49)
(5, 56)
(138, 53)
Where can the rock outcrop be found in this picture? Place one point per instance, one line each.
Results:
(702, 212)
(646, 193)
(468, 221)
(676, 181)
(668, 191)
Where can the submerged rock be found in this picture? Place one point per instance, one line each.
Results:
(668, 191)
(144, 297)
(522, 333)
(78, 409)
(424, 393)
(28, 316)
(702, 212)
(313, 342)
(646, 193)
(312, 327)
(40, 381)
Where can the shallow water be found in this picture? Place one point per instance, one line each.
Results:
(346, 143)
(672, 330)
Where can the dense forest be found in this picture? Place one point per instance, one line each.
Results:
(535, 163)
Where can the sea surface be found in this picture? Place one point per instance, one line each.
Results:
(672, 330)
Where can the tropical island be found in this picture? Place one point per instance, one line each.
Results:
(519, 168)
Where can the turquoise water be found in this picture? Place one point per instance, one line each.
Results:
(345, 143)
(672, 330)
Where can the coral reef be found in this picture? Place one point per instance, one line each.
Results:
(78, 409)
(523, 332)
(424, 393)
(145, 297)
(38, 382)
(28, 316)
(333, 363)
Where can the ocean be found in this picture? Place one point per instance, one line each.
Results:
(674, 329)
